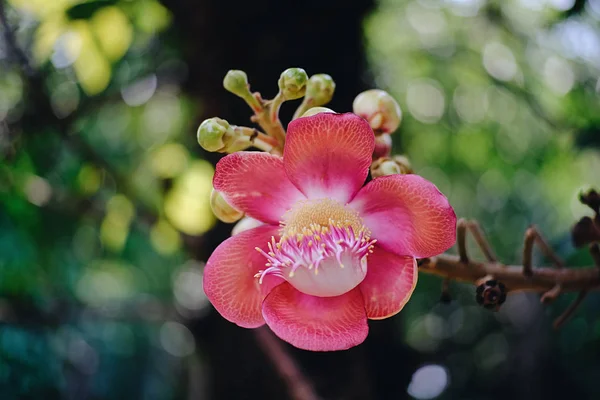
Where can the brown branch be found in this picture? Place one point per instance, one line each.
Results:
(461, 240)
(551, 294)
(481, 240)
(564, 317)
(546, 249)
(299, 387)
(528, 251)
(543, 279)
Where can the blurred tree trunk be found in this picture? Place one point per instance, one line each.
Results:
(263, 38)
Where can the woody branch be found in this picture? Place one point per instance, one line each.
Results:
(494, 279)
(543, 279)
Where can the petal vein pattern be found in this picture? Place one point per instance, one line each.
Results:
(229, 281)
(316, 323)
(328, 155)
(407, 215)
(256, 184)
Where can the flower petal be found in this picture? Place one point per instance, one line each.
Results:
(389, 283)
(407, 215)
(229, 281)
(316, 323)
(256, 183)
(328, 155)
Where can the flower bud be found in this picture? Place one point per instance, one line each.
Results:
(319, 89)
(383, 146)
(215, 134)
(292, 83)
(236, 82)
(404, 164)
(222, 210)
(384, 166)
(390, 166)
(317, 110)
(379, 109)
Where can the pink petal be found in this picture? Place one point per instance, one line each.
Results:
(407, 215)
(229, 281)
(256, 183)
(316, 323)
(328, 155)
(389, 284)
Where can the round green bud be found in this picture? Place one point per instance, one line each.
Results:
(215, 134)
(317, 110)
(380, 109)
(236, 82)
(292, 83)
(222, 209)
(211, 133)
(319, 89)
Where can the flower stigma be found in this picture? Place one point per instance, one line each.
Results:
(323, 248)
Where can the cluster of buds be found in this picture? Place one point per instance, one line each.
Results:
(218, 135)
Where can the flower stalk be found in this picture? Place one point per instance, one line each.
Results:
(319, 91)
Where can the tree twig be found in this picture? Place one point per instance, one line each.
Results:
(543, 279)
(564, 317)
(299, 387)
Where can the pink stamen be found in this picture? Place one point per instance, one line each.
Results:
(310, 249)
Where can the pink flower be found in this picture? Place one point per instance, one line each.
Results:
(331, 253)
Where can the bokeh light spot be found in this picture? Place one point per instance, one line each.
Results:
(187, 288)
(499, 61)
(425, 100)
(187, 205)
(169, 160)
(428, 382)
(164, 238)
(37, 190)
(177, 339)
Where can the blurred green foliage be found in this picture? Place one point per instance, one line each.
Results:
(91, 247)
(501, 101)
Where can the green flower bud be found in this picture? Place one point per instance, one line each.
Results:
(319, 89)
(223, 210)
(317, 110)
(379, 109)
(215, 134)
(292, 83)
(236, 82)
